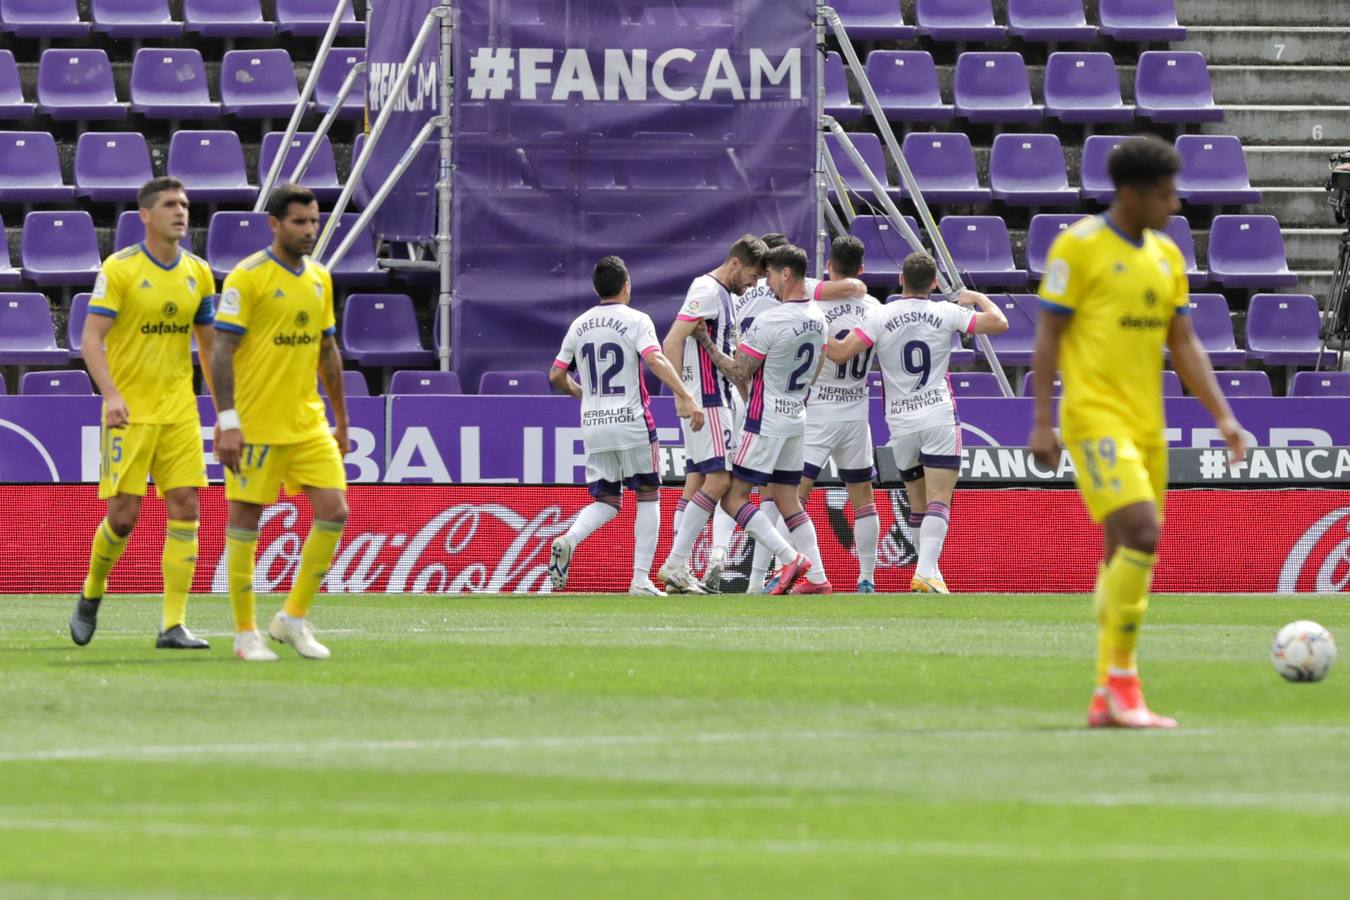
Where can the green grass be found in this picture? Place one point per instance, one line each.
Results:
(715, 747)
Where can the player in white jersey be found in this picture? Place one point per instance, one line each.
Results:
(778, 359)
(607, 344)
(709, 304)
(912, 339)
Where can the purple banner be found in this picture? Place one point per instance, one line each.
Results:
(659, 131)
(46, 439)
(410, 214)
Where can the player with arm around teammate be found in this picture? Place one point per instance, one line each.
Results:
(912, 340)
(608, 343)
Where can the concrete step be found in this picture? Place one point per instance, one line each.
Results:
(1312, 248)
(1296, 207)
(1285, 44)
(1327, 126)
(1260, 12)
(1297, 166)
(1278, 85)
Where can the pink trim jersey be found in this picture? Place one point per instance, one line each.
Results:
(912, 339)
(608, 343)
(840, 393)
(789, 339)
(710, 301)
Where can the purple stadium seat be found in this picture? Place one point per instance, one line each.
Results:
(381, 330)
(1213, 324)
(1213, 170)
(12, 104)
(309, 18)
(958, 20)
(30, 169)
(1320, 384)
(884, 248)
(42, 19)
(1041, 233)
(321, 176)
(77, 85)
(1140, 20)
(1015, 345)
(1171, 384)
(226, 19)
(1179, 230)
(10, 277)
(981, 247)
(27, 336)
(1248, 251)
(1028, 170)
(69, 382)
(1244, 384)
(838, 103)
(334, 72)
(79, 311)
(529, 382)
(170, 84)
(1092, 170)
(1284, 329)
(873, 20)
(134, 19)
(975, 384)
(424, 382)
(129, 230)
(960, 356)
(869, 145)
(258, 84)
(1084, 87)
(944, 166)
(211, 165)
(359, 268)
(994, 87)
(231, 236)
(110, 167)
(1029, 391)
(60, 248)
(906, 83)
(353, 385)
(1049, 21)
(1174, 87)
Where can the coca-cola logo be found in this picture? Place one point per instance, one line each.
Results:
(1319, 561)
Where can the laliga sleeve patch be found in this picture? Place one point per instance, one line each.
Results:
(100, 287)
(1057, 277)
(229, 302)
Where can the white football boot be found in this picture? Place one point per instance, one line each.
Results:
(296, 632)
(249, 646)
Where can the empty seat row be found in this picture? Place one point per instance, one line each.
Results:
(1031, 20)
(1029, 169)
(995, 87)
(170, 83)
(139, 19)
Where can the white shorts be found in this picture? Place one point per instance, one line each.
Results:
(849, 443)
(769, 460)
(711, 448)
(938, 447)
(632, 467)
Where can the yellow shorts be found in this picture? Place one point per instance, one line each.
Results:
(173, 455)
(1114, 471)
(264, 468)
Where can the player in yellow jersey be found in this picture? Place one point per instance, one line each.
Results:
(274, 328)
(146, 304)
(1113, 297)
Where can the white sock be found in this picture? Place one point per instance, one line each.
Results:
(646, 529)
(866, 534)
(932, 534)
(590, 519)
(696, 515)
(723, 526)
(759, 563)
(758, 526)
(679, 515)
(804, 539)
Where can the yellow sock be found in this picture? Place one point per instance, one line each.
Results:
(103, 555)
(179, 562)
(315, 559)
(1125, 586)
(1103, 633)
(241, 545)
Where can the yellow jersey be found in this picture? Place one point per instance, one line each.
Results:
(1122, 296)
(283, 315)
(149, 346)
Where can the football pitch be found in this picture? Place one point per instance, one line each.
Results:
(594, 746)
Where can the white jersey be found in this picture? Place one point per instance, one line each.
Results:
(912, 339)
(608, 343)
(840, 394)
(759, 300)
(710, 301)
(789, 339)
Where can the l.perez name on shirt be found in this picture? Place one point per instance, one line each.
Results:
(916, 402)
(808, 326)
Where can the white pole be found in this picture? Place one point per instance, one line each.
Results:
(444, 185)
(327, 123)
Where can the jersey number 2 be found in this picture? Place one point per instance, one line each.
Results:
(603, 383)
(795, 382)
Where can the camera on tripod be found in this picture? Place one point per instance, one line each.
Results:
(1338, 185)
(1336, 321)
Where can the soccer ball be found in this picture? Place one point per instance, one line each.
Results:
(1303, 651)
